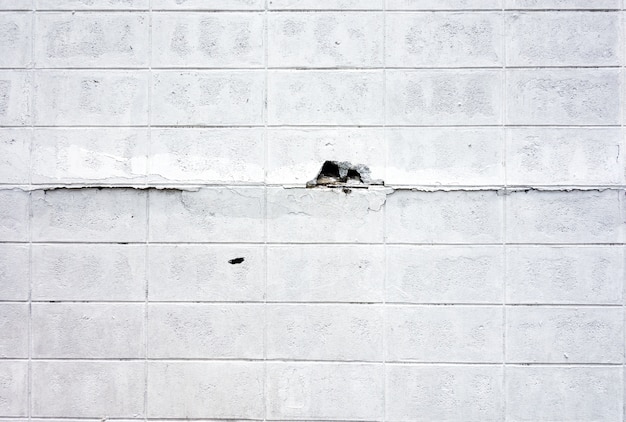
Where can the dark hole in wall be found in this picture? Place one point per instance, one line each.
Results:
(339, 173)
(235, 261)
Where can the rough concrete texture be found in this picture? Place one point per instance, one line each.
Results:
(458, 254)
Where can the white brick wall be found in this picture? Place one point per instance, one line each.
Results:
(144, 144)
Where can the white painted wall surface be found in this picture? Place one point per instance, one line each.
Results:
(146, 143)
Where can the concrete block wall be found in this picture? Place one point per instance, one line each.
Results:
(161, 258)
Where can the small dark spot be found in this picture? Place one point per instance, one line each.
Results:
(236, 260)
(347, 190)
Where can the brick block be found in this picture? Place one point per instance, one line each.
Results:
(314, 39)
(581, 156)
(314, 215)
(233, 155)
(207, 215)
(450, 156)
(450, 274)
(204, 273)
(541, 393)
(563, 39)
(15, 155)
(325, 97)
(91, 39)
(565, 217)
(15, 39)
(325, 332)
(208, 40)
(208, 98)
(444, 97)
(437, 393)
(88, 272)
(443, 4)
(461, 39)
(82, 155)
(444, 334)
(96, 97)
(15, 96)
(564, 335)
(562, 4)
(563, 97)
(88, 389)
(14, 210)
(444, 217)
(14, 272)
(224, 390)
(89, 215)
(14, 327)
(324, 273)
(13, 388)
(205, 331)
(565, 275)
(88, 330)
(325, 391)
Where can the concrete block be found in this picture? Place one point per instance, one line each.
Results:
(95, 97)
(233, 155)
(14, 210)
(562, 4)
(445, 156)
(444, 97)
(565, 275)
(208, 40)
(83, 389)
(325, 273)
(208, 215)
(297, 155)
(14, 272)
(205, 331)
(15, 97)
(438, 393)
(88, 330)
(563, 39)
(325, 332)
(87, 155)
(565, 156)
(88, 272)
(92, 4)
(14, 327)
(461, 39)
(565, 217)
(89, 215)
(564, 335)
(325, 215)
(444, 217)
(563, 97)
(538, 393)
(91, 39)
(204, 273)
(325, 391)
(325, 97)
(15, 155)
(208, 4)
(16, 39)
(326, 4)
(208, 98)
(450, 274)
(325, 39)
(444, 334)
(443, 4)
(14, 388)
(224, 390)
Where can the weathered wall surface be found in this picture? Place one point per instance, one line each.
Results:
(161, 258)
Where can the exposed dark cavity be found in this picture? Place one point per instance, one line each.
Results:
(341, 173)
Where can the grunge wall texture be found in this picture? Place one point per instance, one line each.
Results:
(162, 259)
